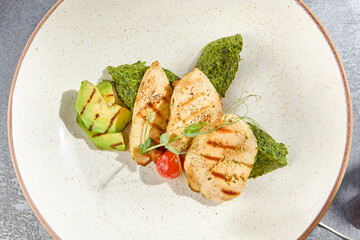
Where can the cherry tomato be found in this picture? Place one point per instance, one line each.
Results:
(167, 165)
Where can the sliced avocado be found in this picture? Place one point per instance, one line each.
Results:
(107, 91)
(97, 115)
(107, 141)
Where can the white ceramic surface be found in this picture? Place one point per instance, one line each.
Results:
(85, 193)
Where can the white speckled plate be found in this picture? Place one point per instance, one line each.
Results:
(79, 192)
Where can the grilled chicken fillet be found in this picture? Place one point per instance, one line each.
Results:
(194, 100)
(218, 163)
(152, 101)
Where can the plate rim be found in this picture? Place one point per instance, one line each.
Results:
(332, 194)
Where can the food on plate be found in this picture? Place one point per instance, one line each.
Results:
(151, 114)
(127, 80)
(221, 150)
(194, 100)
(219, 60)
(106, 141)
(271, 155)
(106, 90)
(218, 163)
(97, 115)
(96, 103)
(168, 165)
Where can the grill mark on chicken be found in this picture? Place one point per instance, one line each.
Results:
(229, 192)
(88, 101)
(221, 145)
(143, 116)
(156, 126)
(176, 82)
(152, 124)
(158, 98)
(245, 164)
(193, 115)
(165, 98)
(191, 99)
(193, 189)
(212, 158)
(153, 107)
(155, 142)
(221, 160)
(218, 175)
(152, 152)
(242, 178)
(155, 110)
(225, 130)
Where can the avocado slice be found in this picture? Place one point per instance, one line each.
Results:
(97, 115)
(106, 141)
(107, 91)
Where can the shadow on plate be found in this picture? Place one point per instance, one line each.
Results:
(126, 162)
(68, 113)
(193, 63)
(105, 76)
(150, 176)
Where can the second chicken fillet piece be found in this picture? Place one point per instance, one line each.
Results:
(194, 100)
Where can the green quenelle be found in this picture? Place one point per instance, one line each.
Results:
(127, 79)
(219, 60)
(271, 155)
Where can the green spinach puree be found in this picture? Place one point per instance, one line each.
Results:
(219, 60)
(271, 155)
(127, 79)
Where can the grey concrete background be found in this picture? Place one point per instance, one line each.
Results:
(18, 18)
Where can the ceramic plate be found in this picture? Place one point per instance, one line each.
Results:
(79, 192)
